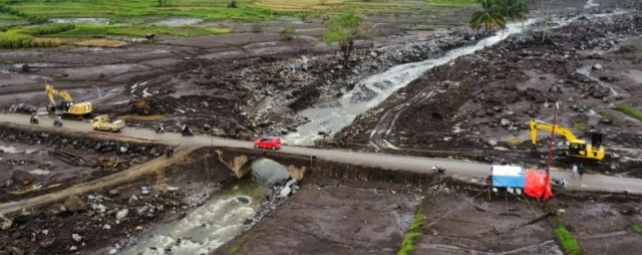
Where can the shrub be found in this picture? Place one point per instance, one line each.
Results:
(637, 229)
(288, 32)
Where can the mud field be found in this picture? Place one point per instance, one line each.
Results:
(36, 162)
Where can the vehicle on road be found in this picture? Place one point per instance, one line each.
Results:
(438, 170)
(577, 148)
(103, 123)
(67, 106)
(271, 142)
(34, 119)
(58, 122)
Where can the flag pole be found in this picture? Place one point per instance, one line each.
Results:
(550, 145)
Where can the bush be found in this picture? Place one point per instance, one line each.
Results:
(288, 32)
(47, 29)
(231, 4)
(637, 229)
(579, 126)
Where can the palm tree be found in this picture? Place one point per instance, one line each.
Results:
(489, 17)
(513, 10)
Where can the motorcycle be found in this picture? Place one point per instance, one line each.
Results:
(438, 170)
(34, 121)
(57, 123)
(188, 132)
(558, 182)
(159, 130)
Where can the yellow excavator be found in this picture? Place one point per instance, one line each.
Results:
(577, 148)
(67, 106)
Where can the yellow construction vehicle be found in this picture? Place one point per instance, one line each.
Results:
(67, 106)
(577, 148)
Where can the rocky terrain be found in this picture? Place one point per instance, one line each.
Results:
(485, 101)
(34, 162)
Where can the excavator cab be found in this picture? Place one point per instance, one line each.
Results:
(66, 105)
(577, 148)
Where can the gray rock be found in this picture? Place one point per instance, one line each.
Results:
(75, 204)
(597, 67)
(504, 122)
(76, 237)
(133, 199)
(73, 248)
(21, 177)
(46, 244)
(122, 214)
(113, 192)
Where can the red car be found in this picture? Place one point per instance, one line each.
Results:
(268, 143)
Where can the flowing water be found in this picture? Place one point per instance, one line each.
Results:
(216, 222)
(333, 119)
(344, 110)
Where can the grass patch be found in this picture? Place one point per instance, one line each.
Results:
(454, 3)
(236, 244)
(47, 29)
(637, 229)
(612, 117)
(564, 238)
(579, 126)
(92, 30)
(628, 110)
(407, 244)
(12, 39)
(211, 9)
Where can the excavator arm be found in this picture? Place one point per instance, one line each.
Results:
(51, 91)
(537, 126)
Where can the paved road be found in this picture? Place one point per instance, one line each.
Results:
(459, 168)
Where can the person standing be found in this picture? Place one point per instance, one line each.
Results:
(580, 170)
(574, 170)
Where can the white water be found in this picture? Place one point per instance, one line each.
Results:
(333, 119)
(218, 221)
(590, 4)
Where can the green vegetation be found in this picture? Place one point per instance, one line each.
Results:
(612, 117)
(344, 30)
(47, 29)
(628, 110)
(496, 13)
(564, 238)
(579, 126)
(113, 9)
(48, 35)
(257, 28)
(236, 244)
(637, 229)
(407, 244)
(452, 3)
(288, 32)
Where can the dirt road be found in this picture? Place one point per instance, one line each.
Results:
(457, 168)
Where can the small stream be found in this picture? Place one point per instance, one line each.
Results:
(218, 221)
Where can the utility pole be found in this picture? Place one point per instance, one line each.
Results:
(550, 145)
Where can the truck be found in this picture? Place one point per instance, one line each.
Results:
(103, 123)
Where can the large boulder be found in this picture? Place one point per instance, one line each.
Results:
(21, 177)
(75, 204)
